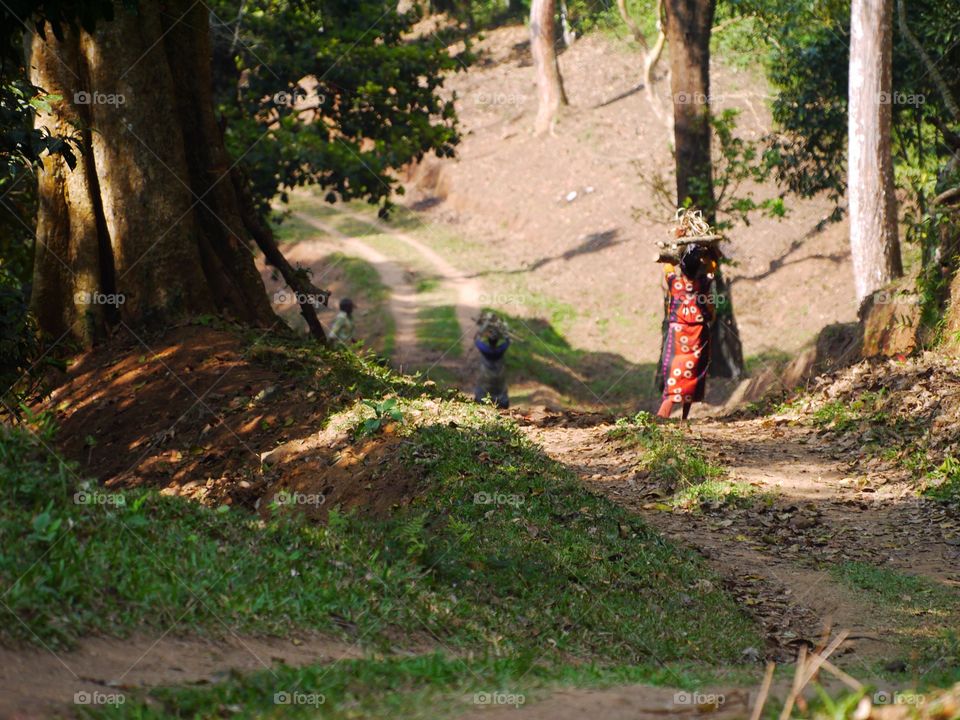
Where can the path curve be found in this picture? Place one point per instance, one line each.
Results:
(466, 289)
(776, 554)
(402, 303)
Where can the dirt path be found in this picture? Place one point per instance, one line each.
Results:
(776, 554)
(403, 301)
(466, 290)
(41, 683)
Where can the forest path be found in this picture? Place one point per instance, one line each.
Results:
(788, 552)
(405, 302)
(100, 671)
(793, 551)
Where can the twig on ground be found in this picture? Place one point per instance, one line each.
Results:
(764, 691)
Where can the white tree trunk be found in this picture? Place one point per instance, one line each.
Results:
(549, 83)
(874, 244)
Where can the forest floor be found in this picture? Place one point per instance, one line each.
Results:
(803, 516)
(796, 526)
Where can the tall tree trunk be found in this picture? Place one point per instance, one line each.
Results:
(688, 25)
(151, 214)
(874, 244)
(688, 35)
(550, 91)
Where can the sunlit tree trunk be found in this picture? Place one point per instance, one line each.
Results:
(550, 93)
(151, 213)
(874, 244)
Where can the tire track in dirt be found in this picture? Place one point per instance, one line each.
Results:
(457, 282)
(404, 302)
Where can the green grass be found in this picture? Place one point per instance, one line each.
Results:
(899, 438)
(943, 481)
(355, 228)
(672, 459)
(363, 281)
(439, 330)
(540, 353)
(841, 416)
(896, 590)
(768, 359)
(923, 614)
(426, 284)
(502, 551)
(290, 229)
(362, 277)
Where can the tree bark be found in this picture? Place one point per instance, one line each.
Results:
(550, 91)
(151, 213)
(632, 25)
(688, 35)
(688, 26)
(874, 243)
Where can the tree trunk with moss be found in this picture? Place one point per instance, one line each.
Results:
(149, 227)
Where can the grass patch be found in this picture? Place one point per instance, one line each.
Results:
(289, 230)
(363, 284)
(896, 590)
(426, 284)
(677, 465)
(904, 440)
(668, 454)
(926, 615)
(943, 481)
(540, 353)
(768, 359)
(362, 277)
(439, 330)
(353, 227)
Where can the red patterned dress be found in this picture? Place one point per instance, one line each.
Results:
(686, 351)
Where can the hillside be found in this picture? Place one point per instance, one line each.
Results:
(584, 263)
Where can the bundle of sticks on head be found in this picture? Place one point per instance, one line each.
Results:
(690, 229)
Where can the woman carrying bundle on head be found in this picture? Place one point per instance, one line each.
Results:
(690, 307)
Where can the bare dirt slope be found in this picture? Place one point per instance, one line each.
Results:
(562, 226)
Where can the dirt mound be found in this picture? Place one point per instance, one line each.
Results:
(369, 477)
(196, 411)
